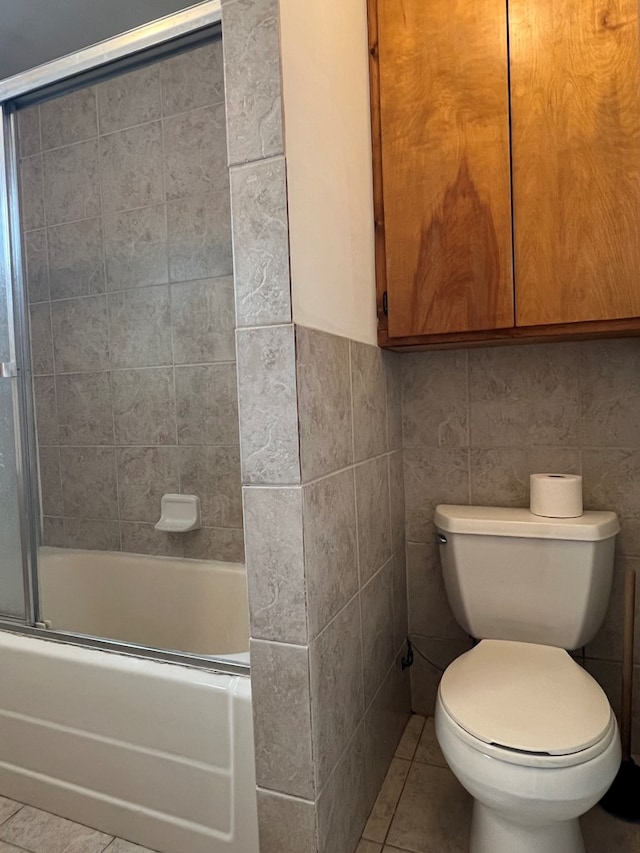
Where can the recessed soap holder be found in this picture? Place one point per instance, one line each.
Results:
(179, 514)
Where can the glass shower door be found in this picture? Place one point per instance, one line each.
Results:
(12, 598)
(13, 525)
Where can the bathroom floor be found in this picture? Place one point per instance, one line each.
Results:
(23, 828)
(422, 808)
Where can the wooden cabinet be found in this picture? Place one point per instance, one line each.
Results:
(506, 169)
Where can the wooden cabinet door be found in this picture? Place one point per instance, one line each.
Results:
(575, 87)
(444, 157)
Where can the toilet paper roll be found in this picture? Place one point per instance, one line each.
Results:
(556, 495)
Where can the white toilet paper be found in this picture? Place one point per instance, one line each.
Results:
(556, 495)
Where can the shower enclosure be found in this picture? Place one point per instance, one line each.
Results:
(117, 386)
(118, 380)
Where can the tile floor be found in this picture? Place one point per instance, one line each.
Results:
(23, 828)
(422, 808)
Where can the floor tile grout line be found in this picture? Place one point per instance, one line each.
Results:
(13, 814)
(395, 808)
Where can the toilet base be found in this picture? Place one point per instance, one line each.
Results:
(491, 833)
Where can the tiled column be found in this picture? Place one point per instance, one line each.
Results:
(272, 492)
(323, 501)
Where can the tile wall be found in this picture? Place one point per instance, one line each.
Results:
(327, 587)
(126, 217)
(320, 438)
(476, 423)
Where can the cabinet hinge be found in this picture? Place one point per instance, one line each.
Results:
(385, 303)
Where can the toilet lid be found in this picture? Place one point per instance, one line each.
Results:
(526, 697)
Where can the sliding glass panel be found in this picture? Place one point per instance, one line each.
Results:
(12, 597)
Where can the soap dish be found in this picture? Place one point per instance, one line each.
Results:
(179, 514)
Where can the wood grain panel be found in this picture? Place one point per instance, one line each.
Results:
(444, 118)
(576, 159)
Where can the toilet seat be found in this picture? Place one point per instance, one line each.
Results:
(530, 704)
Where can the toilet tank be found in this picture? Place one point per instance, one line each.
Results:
(512, 575)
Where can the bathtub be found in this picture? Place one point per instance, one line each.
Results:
(157, 753)
(194, 606)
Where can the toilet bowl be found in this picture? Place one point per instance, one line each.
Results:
(530, 735)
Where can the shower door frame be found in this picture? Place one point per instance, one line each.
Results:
(60, 73)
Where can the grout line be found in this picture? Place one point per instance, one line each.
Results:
(7, 819)
(395, 808)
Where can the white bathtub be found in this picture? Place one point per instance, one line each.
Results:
(157, 753)
(197, 606)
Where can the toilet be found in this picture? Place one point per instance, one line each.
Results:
(526, 730)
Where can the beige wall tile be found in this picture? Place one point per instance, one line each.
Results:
(280, 686)
(329, 547)
(213, 473)
(368, 384)
(337, 700)
(50, 480)
(275, 563)
(140, 327)
(261, 242)
(195, 152)
(143, 538)
(135, 248)
(385, 720)
(83, 468)
(268, 405)
(84, 408)
(31, 192)
(500, 477)
(192, 79)
(432, 476)
(36, 265)
(342, 805)
(131, 168)
(76, 265)
(41, 338)
(286, 824)
(525, 395)
(434, 399)
(378, 646)
(252, 78)
(80, 330)
(324, 402)
(129, 99)
(145, 474)
(69, 118)
(374, 516)
(29, 131)
(215, 543)
(429, 611)
(71, 183)
(199, 236)
(400, 604)
(610, 380)
(144, 409)
(207, 404)
(611, 480)
(44, 396)
(393, 368)
(203, 321)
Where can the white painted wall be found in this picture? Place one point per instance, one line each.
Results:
(328, 150)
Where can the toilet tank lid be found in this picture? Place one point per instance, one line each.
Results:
(512, 521)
